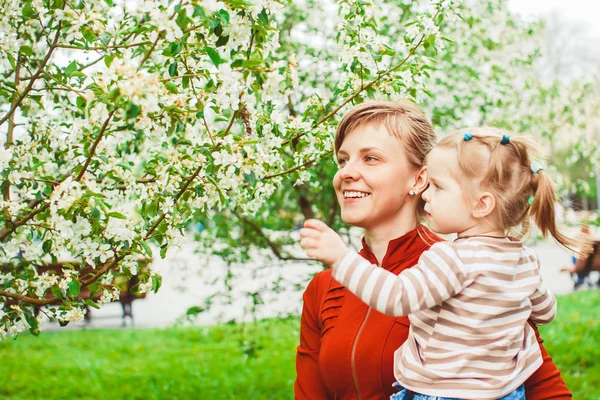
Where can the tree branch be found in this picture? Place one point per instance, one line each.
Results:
(273, 246)
(358, 92)
(93, 149)
(181, 192)
(147, 56)
(16, 104)
(297, 167)
(118, 46)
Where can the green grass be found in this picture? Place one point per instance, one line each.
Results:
(573, 341)
(252, 361)
(223, 362)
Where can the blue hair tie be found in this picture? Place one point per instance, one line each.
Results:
(467, 136)
(536, 167)
(505, 140)
(530, 200)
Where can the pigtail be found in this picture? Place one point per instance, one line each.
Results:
(543, 214)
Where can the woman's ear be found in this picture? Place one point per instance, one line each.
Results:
(421, 181)
(486, 203)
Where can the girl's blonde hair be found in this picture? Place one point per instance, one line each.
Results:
(520, 192)
(403, 120)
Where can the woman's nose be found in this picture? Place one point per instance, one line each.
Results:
(349, 172)
(425, 195)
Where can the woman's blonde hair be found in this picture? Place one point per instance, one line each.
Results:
(401, 119)
(520, 192)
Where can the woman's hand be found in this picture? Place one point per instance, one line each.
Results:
(321, 242)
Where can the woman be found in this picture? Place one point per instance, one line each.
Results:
(346, 348)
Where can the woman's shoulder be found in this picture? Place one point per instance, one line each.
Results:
(318, 285)
(323, 289)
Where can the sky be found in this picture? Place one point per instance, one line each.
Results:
(586, 12)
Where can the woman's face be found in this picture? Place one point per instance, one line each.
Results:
(374, 178)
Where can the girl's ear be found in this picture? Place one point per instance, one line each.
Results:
(486, 203)
(421, 181)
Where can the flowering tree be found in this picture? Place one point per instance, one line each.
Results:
(124, 122)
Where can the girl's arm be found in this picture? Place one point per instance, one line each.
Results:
(437, 277)
(543, 304)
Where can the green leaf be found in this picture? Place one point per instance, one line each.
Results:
(11, 60)
(224, 15)
(94, 288)
(214, 56)
(147, 248)
(28, 12)
(57, 4)
(156, 282)
(175, 48)
(28, 51)
(117, 215)
(171, 87)
(56, 291)
(110, 3)
(47, 246)
(91, 303)
(95, 213)
(222, 41)
(88, 34)
(108, 60)
(72, 67)
(237, 63)
(74, 287)
(194, 310)
(32, 321)
(81, 103)
(173, 69)
(263, 17)
(251, 63)
(163, 250)
(133, 111)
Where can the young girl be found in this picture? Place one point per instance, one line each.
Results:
(469, 300)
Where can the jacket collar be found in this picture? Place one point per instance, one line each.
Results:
(401, 248)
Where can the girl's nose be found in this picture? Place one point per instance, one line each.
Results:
(425, 195)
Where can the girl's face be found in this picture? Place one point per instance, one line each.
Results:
(446, 204)
(373, 179)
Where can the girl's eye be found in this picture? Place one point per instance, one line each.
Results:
(370, 158)
(342, 161)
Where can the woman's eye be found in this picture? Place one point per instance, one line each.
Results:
(342, 161)
(370, 158)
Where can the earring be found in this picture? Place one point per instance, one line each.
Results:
(412, 193)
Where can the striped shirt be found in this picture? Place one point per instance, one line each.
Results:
(468, 304)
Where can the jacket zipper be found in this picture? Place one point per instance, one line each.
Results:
(352, 358)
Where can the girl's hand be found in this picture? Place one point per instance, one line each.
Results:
(321, 242)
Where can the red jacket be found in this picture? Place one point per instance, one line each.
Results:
(346, 349)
